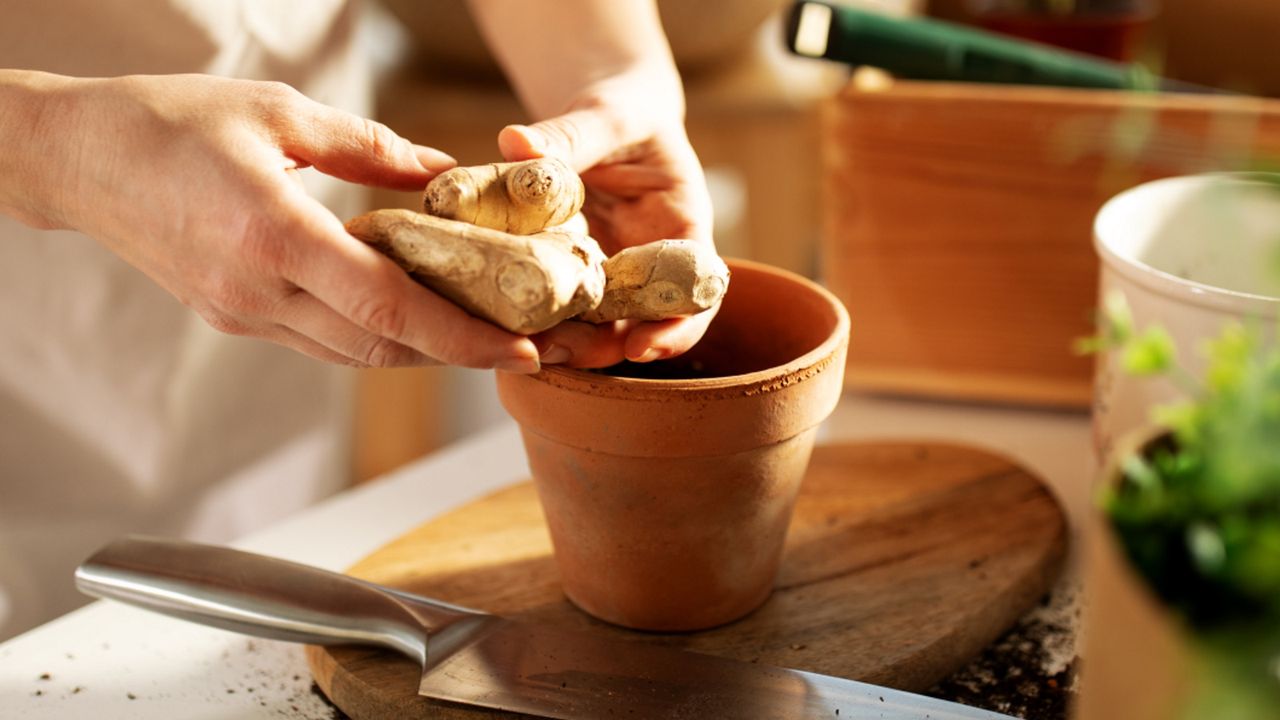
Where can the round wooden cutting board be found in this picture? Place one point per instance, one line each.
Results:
(903, 561)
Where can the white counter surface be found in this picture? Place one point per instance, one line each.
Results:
(108, 661)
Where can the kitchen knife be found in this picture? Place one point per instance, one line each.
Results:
(473, 657)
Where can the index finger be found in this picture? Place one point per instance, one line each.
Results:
(377, 295)
(667, 338)
(592, 346)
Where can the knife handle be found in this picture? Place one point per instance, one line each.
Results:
(262, 596)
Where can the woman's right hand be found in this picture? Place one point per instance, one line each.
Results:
(193, 180)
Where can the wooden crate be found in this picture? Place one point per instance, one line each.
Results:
(958, 222)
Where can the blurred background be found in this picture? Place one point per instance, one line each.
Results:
(953, 220)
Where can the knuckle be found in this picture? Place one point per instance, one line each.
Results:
(564, 132)
(224, 323)
(380, 141)
(227, 295)
(343, 360)
(616, 124)
(381, 315)
(262, 246)
(277, 104)
(274, 92)
(380, 352)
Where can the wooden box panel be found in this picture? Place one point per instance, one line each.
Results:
(958, 222)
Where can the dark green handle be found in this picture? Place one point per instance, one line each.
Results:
(923, 49)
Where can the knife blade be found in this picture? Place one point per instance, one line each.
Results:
(474, 657)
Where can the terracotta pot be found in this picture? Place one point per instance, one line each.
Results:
(668, 496)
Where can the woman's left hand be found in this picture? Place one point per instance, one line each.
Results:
(644, 184)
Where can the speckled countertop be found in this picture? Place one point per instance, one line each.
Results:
(1030, 672)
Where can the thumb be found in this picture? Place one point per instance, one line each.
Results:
(363, 151)
(582, 138)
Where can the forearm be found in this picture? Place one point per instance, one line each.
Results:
(562, 55)
(33, 106)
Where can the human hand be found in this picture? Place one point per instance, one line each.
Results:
(644, 184)
(194, 180)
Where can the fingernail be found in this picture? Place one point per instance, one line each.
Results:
(519, 365)
(432, 159)
(647, 356)
(537, 142)
(555, 355)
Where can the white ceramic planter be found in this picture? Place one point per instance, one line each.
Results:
(1189, 253)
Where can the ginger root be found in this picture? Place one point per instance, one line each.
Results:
(485, 246)
(519, 198)
(661, 280)
(524, 284)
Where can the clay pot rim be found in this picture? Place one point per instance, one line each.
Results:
(1122, 260)
(761, 381)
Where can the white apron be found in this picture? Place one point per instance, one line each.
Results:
(120, 409)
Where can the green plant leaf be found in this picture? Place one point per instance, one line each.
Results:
(1117, 319)
(1183, 418)
(1199, 512)
(1140, 473)
(1090, 345)
(1229, 356)
(1151, 353)
(1207, 549)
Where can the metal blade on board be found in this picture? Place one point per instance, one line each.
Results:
(521, 667)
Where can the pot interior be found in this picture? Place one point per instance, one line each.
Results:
(1217, 234)
(767, 319)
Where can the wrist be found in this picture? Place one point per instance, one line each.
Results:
(34, 109)
(645, 99)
